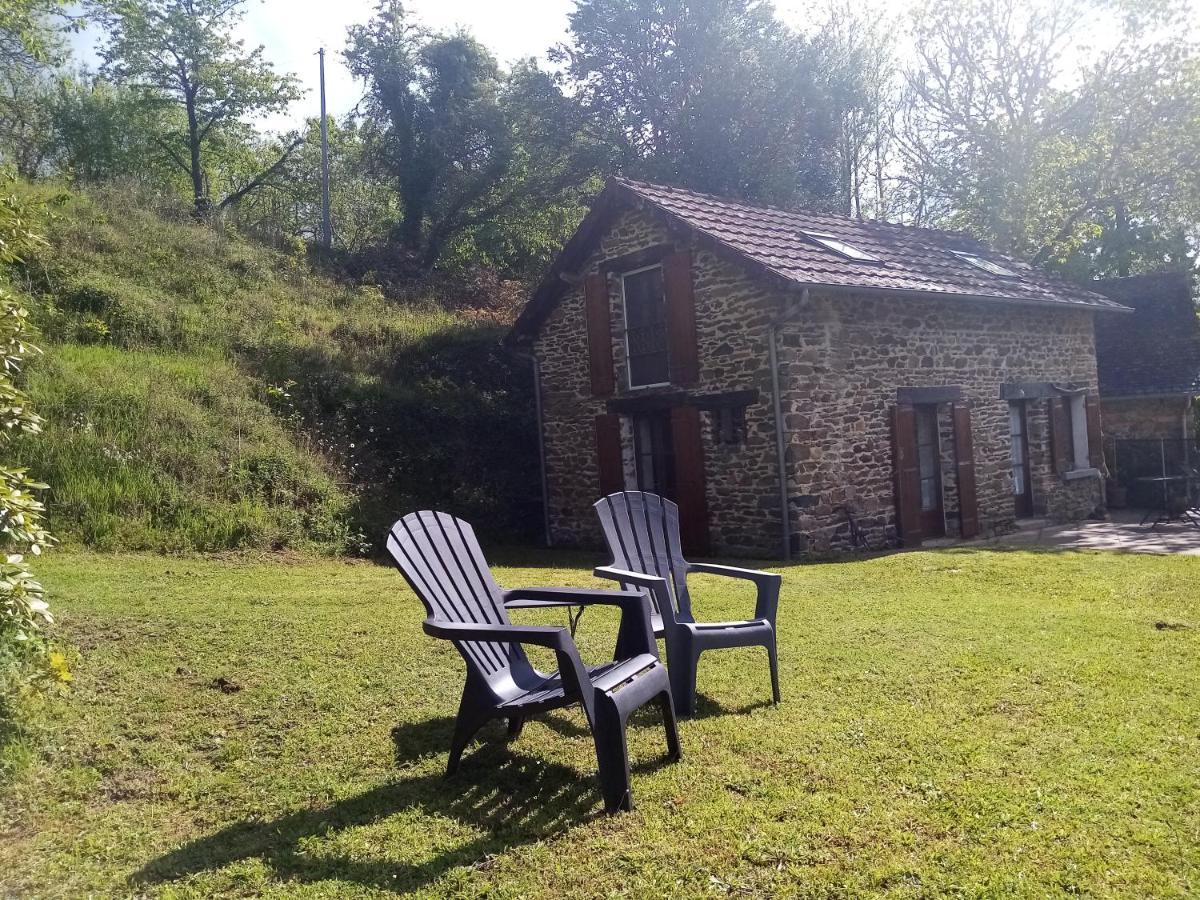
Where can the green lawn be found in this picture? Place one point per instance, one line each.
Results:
(956, 722)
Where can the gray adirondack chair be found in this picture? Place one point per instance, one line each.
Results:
(442, 562)
(642, 532)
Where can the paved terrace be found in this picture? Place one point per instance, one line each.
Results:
(1121, 532)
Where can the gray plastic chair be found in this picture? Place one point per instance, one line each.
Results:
(442, 562)
(642, 532)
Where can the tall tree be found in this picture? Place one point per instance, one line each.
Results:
(462, 140)
(182, 53)
(1052, 151)
(859, 40)
(717, 95)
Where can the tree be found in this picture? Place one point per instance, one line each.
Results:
(716, 95)
(28, 37)
(181, 53)
(865, 91)
(463, 142)
(1050, 154)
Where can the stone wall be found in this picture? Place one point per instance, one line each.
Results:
(732, 314)
(1147, 417)
(844, 358)
(841, 360)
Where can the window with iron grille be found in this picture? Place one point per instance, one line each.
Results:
(646, 327)
(729, 425)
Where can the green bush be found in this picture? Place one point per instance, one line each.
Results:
(26, 655)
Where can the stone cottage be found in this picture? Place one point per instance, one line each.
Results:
(1149, 363)
(800, 382)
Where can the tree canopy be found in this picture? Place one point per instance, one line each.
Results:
(182, 53)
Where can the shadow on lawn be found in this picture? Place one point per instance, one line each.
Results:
(514, 799)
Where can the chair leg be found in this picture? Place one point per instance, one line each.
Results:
(668, 713)
(515, 724)
(612, 756)
(681, 668)
(773, 660)
(468, 722)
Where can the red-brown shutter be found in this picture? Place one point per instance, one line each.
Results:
(599, 334)
(688, 444)
(964, 457)
(1061, 441)
(1095, 436)
(608, 454)
(681, 318)
(908, 474)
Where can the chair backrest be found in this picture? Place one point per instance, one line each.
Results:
(444, 565)
(642, 533)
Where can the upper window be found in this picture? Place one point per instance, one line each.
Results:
(646, 327)
(985, 264)
(840, 247)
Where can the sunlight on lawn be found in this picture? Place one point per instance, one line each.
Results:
(955, 721)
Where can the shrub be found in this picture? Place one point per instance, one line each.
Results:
(25, 652)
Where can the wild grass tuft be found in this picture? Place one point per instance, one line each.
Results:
(207, 393)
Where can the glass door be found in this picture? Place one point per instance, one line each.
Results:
(1021, 481)
(654, 453)
(929, 463)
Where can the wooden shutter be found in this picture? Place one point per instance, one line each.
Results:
(681, 318)
(1061, 441)
(688, 445)
(599, 334)
(964, 458)
(1095, 436)
(608, 454)
(908, 474)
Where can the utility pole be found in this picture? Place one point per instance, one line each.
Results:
(326, 221)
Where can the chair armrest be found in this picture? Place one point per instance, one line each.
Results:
(534, 597)
(635, 634)
(553, 636)
(570, 666)
(768, 584)
(657, 586)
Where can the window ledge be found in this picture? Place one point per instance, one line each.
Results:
(1076, 474)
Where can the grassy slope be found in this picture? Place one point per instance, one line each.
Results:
(207, 393)
(955, 722)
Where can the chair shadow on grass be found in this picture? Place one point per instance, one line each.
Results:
(511, 797)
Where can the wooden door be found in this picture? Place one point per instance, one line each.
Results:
(1022, 481)
(929, 471)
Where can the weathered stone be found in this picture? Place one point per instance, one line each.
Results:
(841, 360)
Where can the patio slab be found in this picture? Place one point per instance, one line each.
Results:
(1121, 532)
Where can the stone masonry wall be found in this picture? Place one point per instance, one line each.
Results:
(841, 361)
(1147, 417)
(844, 358)
(732, 315)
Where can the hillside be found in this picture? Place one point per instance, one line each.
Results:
(206, 393)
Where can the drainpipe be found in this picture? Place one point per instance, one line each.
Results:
(536, 369)
(780, 444)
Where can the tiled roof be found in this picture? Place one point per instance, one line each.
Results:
(908, 260)
(1157, 349)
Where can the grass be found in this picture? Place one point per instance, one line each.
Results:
(207, 393)
(954, 723)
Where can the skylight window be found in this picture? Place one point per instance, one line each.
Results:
(985, 264)
(840, 247)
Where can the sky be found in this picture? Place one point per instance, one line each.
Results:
(293, 30)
